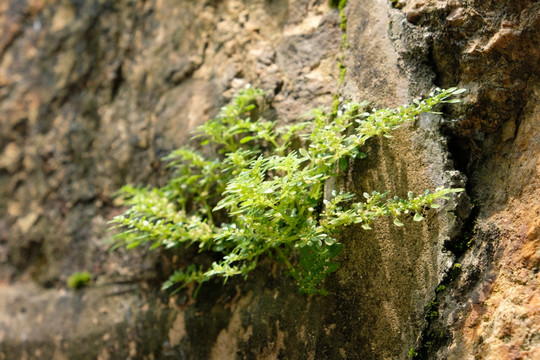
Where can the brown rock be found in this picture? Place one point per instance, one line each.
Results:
(93, 93)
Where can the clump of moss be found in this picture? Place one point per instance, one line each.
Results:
(79, 280)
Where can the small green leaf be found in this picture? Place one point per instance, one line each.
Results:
(304, 153)
(343, 164)
(332, 268)
(418, 217)
(133, 245)
(329, 241)
(335, 249)
(398, 223)
(361, 155)
(246, 139)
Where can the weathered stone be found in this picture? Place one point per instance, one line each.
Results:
(93, 94)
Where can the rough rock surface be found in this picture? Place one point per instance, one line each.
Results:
(492, 48)
(93, 93)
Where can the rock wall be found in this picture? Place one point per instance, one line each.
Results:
(489, 309)
(93, 93)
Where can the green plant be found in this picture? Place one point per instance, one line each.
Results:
(79, 280)
(262, 195)
(343, 45)
(335, 3)
(342, 16)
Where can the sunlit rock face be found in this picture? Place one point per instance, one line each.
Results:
(94, 93)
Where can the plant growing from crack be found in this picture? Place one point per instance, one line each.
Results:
(263, 196)
(79, 280)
